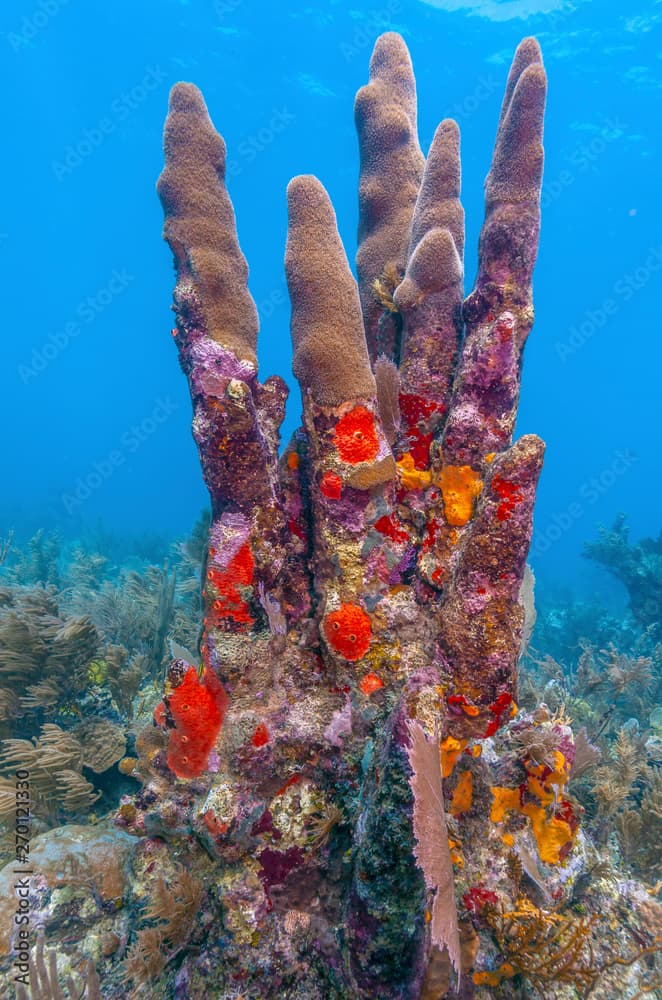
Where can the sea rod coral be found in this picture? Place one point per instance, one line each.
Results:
(368, 579)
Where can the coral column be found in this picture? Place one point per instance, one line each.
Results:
(361, 592)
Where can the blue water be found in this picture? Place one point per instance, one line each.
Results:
(90, 381)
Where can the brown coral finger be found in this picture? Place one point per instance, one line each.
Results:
(516, 171)
(235, 419)
(330, 354)
(429, 299)
(499, 312)
(391, 170)
(200, 223)
(438, 203)
(509, 238)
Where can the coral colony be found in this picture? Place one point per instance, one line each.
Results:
(364, 588)
(340, 799)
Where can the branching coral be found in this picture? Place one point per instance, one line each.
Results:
(145, 959)
(39, 563)
(639, 830)
(545, 947)
(614, 780)
(43, 654)
(6, 545)
(614, 773)
(172, 907)
(174, 904)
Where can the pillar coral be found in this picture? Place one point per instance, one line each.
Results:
(369, 575)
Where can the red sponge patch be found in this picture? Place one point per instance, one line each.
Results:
(348, 631)
(197, 708)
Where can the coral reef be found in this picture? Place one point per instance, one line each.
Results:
(339, 798)
(371, 576)
(638, 567)
(613, 700)
(83, 648)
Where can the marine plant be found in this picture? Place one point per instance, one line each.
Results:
(44, 982)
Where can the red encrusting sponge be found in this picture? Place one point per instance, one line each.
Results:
(197, 708)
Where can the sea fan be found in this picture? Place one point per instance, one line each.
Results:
(431, 833)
